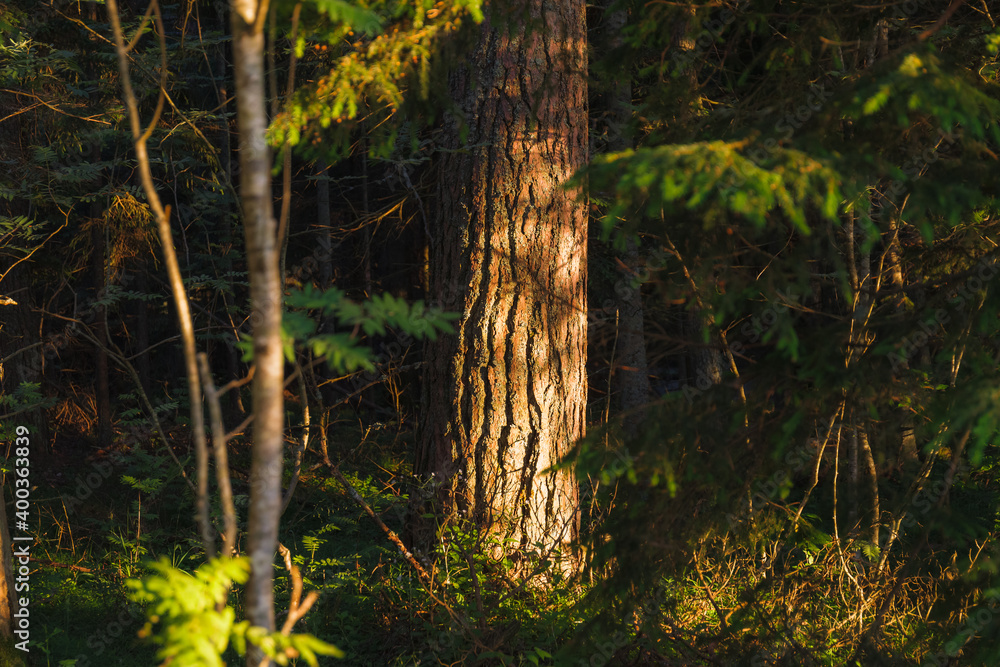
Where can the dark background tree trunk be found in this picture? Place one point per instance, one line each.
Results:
(102, 385)
(630, 375)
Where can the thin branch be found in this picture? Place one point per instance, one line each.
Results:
(17, 352)
(138, 31)
(89, 119)
(52, 563)
(26, 408)
(426, 578)
(33, 250)
(389, 532)
(303, 442)
(262, 11)
(236, 384)
(221, 458)
(819, 460)
(20, 111)
(955, 4)
(298, 607)
(286, 149)
(194, 128)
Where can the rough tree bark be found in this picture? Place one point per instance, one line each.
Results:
(505, 397)
(7, 599)
(247, 18)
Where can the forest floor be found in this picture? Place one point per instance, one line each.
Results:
(100, 517)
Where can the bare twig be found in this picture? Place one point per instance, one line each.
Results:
(33, 250)
(303, 442)
(955, 4)
(426, 577)
(389, 532)
(819, 460)
(52, 563)
(221, 458)
(298, 607)
(20, 351)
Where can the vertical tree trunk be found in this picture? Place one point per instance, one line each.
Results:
(265, 295)
(872, 471)
(221, 81)
(102, 385)
(863, 285)
(630, 377)
(852, 477)
(324, 237)
(7, 604)
(706, 359)
(505, 397)
(366, 261)
(908, 450)
(102, 390)
(141, 309)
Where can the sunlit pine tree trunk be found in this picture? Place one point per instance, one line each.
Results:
(505, 397)
(265, 295)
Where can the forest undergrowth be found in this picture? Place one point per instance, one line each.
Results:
(755, 588)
